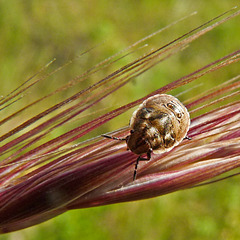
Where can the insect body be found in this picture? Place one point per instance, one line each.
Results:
(160, 123)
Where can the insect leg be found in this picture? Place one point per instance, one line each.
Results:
(141, 159)
(114, 138)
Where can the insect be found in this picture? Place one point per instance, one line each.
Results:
(160, 123)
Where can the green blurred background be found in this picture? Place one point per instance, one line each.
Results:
(34, 32)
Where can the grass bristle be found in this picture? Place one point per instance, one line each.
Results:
(41, 177)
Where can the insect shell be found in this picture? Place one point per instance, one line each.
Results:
(160, 123)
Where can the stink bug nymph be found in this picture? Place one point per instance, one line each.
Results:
(160, 123)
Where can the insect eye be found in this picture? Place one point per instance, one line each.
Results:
(175, 109)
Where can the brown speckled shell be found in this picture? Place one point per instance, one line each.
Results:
(160, 122)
